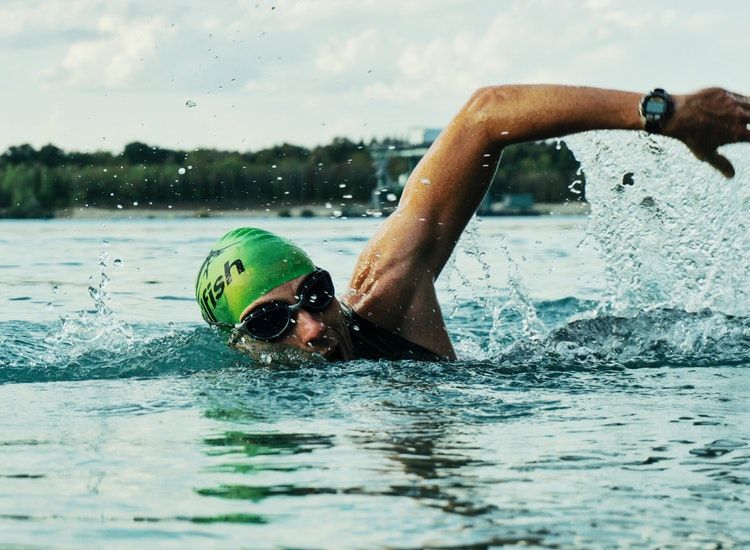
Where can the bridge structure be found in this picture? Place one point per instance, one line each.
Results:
(387, 188)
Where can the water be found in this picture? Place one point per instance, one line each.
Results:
(602, 398)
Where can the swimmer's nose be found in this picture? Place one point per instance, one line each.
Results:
(309, 327)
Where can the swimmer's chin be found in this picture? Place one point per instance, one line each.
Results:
(279, 354)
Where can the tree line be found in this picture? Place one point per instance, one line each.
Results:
(37, 182)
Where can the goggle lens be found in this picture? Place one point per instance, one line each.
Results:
(316, 293)
(269, 323)
(272, 321)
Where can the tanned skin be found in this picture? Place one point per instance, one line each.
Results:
(393, 284)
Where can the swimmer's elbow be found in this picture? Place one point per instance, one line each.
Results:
(487, 106)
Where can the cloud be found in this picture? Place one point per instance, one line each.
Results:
(112, 58)
(377, 66)
(339, 55)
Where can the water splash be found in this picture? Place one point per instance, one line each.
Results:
(672, 231)
(456, 279)
(519, 301)
(96, 344)
(98, 330)
(655, 338)
(673, 236)
(473, 257)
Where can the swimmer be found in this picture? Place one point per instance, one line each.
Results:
(274, 297)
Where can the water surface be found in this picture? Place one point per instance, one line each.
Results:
(601, 399)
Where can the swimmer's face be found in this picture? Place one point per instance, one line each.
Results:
(324, 333)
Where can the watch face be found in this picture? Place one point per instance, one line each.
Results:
(656, 106)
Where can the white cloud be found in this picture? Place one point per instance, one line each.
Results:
(339, 55)
(262, 75)
(114, 58)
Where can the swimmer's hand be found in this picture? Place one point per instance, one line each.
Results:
(708, 119)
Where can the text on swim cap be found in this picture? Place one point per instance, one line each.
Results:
(214, 291)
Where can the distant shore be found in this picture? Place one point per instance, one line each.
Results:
(303, 211)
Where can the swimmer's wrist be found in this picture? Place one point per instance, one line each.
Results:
(672, 126)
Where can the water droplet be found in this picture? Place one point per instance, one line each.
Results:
(190, 104)
(181, 171)
(346, 197)
(342, 185)
(425, 181)
(50, 306)
(135, 203)
(105, 243)
(329, 205)
(117, 262)
(190, 166)
(265, 358)
(356, 328)
(119, 207)
(391, 147)
(55, 288)
(391, 197)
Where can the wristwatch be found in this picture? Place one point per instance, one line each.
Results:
(655, 109)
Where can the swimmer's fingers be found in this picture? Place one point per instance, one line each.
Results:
(715, 159)
(709, 119)
(721, 163)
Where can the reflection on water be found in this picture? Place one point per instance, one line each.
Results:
(447, 441)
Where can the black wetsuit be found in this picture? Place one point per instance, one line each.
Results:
(370, 341)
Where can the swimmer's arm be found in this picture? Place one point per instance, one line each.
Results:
(446, 187)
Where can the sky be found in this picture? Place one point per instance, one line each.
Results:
(242, 75)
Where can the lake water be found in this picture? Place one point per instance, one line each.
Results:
(601, 399)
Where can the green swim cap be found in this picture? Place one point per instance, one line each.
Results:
(242, 266)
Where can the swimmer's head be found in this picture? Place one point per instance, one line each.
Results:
(242, 266)
(249, 269)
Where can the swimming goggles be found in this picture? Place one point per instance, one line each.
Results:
(273, 320)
